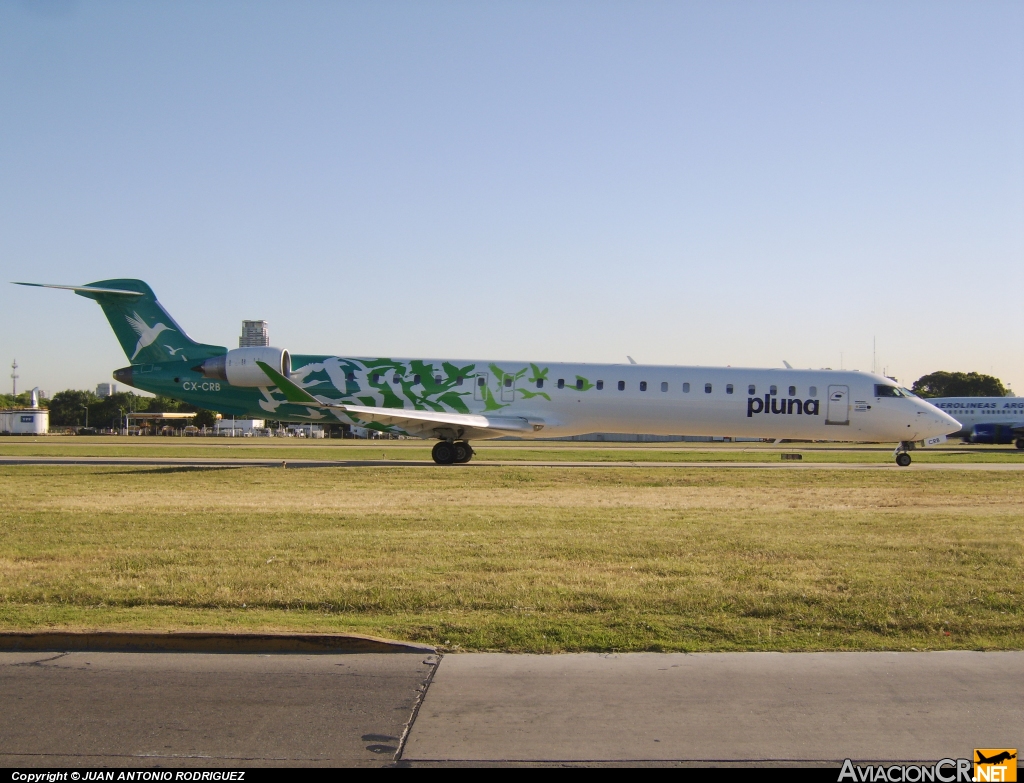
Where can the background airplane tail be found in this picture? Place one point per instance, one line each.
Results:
(147, 332)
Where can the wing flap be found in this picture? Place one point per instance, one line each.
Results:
(402, 417)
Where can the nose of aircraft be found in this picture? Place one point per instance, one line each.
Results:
(941, 423)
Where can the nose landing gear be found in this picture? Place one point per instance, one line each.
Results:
(452, 453)
(902, 457)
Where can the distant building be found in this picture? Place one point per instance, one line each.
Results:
(25, 421)
(238, 427)
(105, 389)
(254, 334)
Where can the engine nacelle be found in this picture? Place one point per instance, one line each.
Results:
(996, 434)
(238, 367)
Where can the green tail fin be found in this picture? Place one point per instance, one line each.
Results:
(146, 331)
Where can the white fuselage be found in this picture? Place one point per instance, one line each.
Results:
(971, 411)
(573, 399)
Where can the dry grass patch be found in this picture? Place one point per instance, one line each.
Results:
(524, 558)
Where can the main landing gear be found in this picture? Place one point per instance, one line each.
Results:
(902, 457)
(452, 452)
(1019, 443)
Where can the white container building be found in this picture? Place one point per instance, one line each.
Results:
(25, 421)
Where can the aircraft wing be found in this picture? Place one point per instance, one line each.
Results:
(415, 422)
(424, 423)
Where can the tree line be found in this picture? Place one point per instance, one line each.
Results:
(68, 408)
(959, 384)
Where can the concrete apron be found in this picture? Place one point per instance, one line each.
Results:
(720, 707)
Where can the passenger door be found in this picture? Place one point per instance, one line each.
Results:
(838, 405)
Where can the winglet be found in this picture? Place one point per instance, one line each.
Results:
(788, 365)
(291, 392)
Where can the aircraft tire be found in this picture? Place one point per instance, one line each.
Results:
(463, 452)
(443, 453)
(903, 459)
(1019, 444)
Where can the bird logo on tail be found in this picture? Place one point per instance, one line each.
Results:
(147, 334)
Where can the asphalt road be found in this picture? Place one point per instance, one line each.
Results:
(188, 462)
(155, 709)
(188, 709)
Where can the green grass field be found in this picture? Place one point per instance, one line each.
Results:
(523, 559)
(495, 451)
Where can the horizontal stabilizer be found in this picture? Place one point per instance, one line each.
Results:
(87, 288)
(147, 332)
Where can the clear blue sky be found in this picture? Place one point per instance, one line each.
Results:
(710, 183)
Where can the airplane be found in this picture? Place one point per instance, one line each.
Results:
(996, 420)
(996, 759)
(454, 402)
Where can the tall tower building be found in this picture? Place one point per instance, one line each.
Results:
(254, 333)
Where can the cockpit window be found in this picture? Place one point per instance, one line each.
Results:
(907, 392)
(887, 391)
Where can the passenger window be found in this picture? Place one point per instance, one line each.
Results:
(643, 385)
(886, 391)
(600, 385)
(751, 389)
(508, 381)
(686, 388)
(707, 388)
(437, 379)
(728, 388)
(773, 389)
(415, 379)
(664, 386)
(579, 384)
(561, 383)
(396, 379)
(350, 376)
(814, 391)
(458, 381)
(792, 391)
(375, 377)
(540, 383)
(622, 386)
(481, 381)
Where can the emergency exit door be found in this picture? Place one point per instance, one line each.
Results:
(838, 405)
(480, 386)
(508, 388)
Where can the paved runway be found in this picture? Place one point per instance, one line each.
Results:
(154, 709)
(188, 462)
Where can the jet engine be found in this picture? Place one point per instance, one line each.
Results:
(997, 434)
(238, 367)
